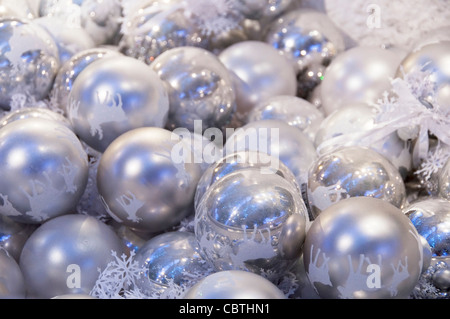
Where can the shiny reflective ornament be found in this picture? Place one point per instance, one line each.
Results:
(251, 221)
(13, 236)
(441, 279)
(12, 282)
(29, 60)
(34, 112)
(147, 179)
(294, 110)
(431, 217)
(199, 88)
(346, 124)
(234, 284)
(70, 249)
(262, 9)
(353, 171)
(115, 95)
(360, 74)
(443, 182)
(236, 161)
(277, 138)
(44, 170)
(306, 37)
(258, 76)
(431, 58)
(70, 70)
(363, 248)
(171, 258)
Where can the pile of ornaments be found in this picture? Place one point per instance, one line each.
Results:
(230, 149)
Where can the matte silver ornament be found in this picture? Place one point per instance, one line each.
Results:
(171, 258)
(234, 284)
(199, 88)
(12, 282)
(29, 60)
(257, 76)
(70, 249)
(251, 221)
(146, 180)
(363, 248)
(353, 171)
(431, 217)
(44, 170)
(115, 95)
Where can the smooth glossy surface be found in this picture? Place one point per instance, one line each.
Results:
(12, 282)
(363, 248)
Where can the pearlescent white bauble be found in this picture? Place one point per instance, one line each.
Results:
(147, 179)
(12, 282)
(360, 74)
(115, 95)
(363, 248)
(234, 284)
(44, 170)
(251, 221)
(259, 72)
(64, 255)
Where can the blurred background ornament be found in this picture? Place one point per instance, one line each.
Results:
(251, 221)
(277, 138)
(294, 110)
(19, 9)
(34, 112)
(13, 236)
(353, 171)
(70, 70)
(115, 95)
(431, 217)
(44, 167)
(29, 60)
(234, 284)
(147, 179)
(257, 76)
(70, 249)
(171, 258)
(342, 251)
(359, 74)
(434, 283)
(12, 282)
(199, 87)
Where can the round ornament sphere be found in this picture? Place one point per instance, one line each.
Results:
(70, 250)
(363, 248)
(443, 183)
(13, 236)
(114, 95)
(29, 60)
(431, 217)
(360, 74)
(199, 88)
(12, 282)
(251, 221)
(353, 171)
(34, 112)
(147, 179)
(258, 76)
(171, 258)
(234, 284)
(45, 170)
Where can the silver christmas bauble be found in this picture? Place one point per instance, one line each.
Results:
(363, 248)
(360, 74)
(199, 88)
(29, 60)
(171, 258)
(12, 282)
(236, 161)
(64, 255)
(431, 217)
(34, 112)
(70, 70)
(44, 170)
(144, 180)
(13, 236)
(353, 171)
(114, 95)
(282, 141)
(251, 221)
(431, 58)
(257, 76)
(443, 180)
(234, 284)
(294, 110)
